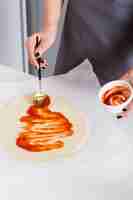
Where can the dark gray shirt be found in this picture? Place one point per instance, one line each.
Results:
(101, 31)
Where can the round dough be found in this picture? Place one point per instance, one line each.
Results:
(10, 128)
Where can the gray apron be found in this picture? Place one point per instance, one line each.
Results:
(101, 31)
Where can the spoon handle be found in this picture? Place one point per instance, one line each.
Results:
(39, 60)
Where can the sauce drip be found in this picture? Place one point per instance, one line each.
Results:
(116, 96)
(43, 130)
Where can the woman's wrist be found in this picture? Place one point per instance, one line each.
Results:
(50, 28)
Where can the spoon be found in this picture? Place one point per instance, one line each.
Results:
(38, 97)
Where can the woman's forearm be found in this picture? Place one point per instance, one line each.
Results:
(52, 12)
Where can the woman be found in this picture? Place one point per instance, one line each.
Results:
(98, 30)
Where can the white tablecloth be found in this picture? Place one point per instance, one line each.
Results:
(103, 170)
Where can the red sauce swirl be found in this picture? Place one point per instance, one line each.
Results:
(116, 95)
(44, 130)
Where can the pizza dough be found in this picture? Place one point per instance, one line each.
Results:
(10, 127)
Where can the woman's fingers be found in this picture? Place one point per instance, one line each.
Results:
(30, 44)
(126, 111)
(127, 76)
(39, 43)
(42, 48)
(43, 63)
(47, 40)
(35, 50)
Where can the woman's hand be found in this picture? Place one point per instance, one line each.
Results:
(46, 38)
(127, 76)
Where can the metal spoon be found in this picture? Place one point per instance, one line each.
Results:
(38, 97)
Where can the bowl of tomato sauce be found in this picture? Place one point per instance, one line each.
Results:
(116, 95)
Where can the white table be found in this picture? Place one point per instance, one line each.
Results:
(103, 170)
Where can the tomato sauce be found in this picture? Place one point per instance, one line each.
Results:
(43, 130)
(116, 96)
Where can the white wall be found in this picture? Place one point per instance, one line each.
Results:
(10, 34)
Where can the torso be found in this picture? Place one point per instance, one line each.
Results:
(100, 31)
(105, 18)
